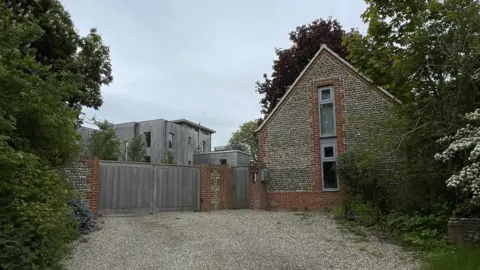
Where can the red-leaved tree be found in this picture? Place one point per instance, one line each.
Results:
(306, 40)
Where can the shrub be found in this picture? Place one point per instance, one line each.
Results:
(83, 215)
(424, 232)
(364, 177)
(36, 224)
(365, 214)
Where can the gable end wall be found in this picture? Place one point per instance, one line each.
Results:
(288, 141)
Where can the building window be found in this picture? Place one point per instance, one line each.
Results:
(189, 140)
(204, 146)
(170, 140)
(126, 150)
(189, 162)
(148, 138)
(326, 112)
(147, 159)
(223, 161)
(330, 181)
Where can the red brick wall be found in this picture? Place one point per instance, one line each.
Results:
(216, 187)
(92, 181)
(257, 194)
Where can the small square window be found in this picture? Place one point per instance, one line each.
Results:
(328, 151)
(326, 94)
(223, 161)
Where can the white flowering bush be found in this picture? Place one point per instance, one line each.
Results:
(466, 140)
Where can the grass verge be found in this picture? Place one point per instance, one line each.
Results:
(458, 258)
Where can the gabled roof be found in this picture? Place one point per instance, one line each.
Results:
(324, 48)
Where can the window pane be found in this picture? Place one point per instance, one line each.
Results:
(329, 175)
(147, 139)
(328, 151)
(326, 94)
(170, 140)
(326, 119)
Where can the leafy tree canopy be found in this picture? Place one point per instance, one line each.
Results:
(104, 143)
(169, 158)
(71, 57)
(137, 149)
(244, 139)
(31, 96)
(306, 41)
(426, 53)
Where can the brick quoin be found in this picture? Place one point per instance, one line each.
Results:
(216, 187)
(92, 180)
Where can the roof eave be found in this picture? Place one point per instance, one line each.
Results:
(290, 89)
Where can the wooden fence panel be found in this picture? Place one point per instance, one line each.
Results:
(128, 188)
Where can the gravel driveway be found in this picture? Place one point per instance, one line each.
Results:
(240, 239)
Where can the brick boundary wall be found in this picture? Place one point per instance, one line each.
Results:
(84, 175)
(216, 187)
(464, 231)
(257, 194)
(92, 180)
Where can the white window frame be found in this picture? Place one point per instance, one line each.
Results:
(326, 101)
(329, 159)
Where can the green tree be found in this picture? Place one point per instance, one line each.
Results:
(37, 130)
(70, 56)
(104, 143)
(244, 138)
(306, 41)
(137, 149)
(169, 158)
(426, 53)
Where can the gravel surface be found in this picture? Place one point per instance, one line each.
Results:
(240, 239)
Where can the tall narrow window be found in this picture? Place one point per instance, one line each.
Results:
(126, 150)
(326, 112)
(189, 140)
(170, 140)
(204, 147)
(147, 159)
(148, 138)
(330, 181)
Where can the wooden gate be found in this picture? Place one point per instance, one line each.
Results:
(240, 187)
(136, 188)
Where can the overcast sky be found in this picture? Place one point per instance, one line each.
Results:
(197, 60)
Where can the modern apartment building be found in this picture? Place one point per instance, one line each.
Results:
(182, 137)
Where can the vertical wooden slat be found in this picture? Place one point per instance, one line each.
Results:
(130, 188)
(134, 188)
